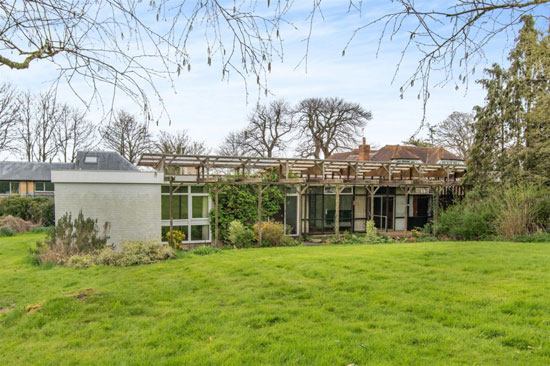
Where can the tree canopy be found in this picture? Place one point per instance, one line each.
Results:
(512, 129)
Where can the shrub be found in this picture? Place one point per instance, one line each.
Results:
(371, 236)
(273, 234)
(508, 211)
(239, 235)
(42, 211)
(81, 261)
(533, 238)
(204, 250)
(129, 253)
(132, 253)
(467, 221)
(177, 236)
(16, 224)
(519, 214)
(70, 238)
(6, 231)
(39, 210)
(42, 229)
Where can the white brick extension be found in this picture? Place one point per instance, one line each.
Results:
(129, 201)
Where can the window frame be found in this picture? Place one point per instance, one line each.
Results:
(190, 221)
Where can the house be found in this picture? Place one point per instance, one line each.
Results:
(34, 178)
(399, 187)
(28, 178)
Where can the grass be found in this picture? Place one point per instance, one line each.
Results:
(482, 303)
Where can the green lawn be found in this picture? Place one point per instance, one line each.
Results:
(397, 304)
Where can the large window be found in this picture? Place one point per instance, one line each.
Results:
(43, 187)
(9, 187)
(190, 211)
(321, 209)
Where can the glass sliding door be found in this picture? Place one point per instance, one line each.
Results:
(291, 215)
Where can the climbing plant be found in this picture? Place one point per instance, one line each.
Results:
(240, 202)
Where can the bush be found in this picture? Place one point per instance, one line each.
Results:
(6, 231)
(371, 236)
(133, 253)
(70, 238)
(239, 235)
(129, 253)
(273, 234)
(533, 238)
(177, 236)
(42, 229)
(507, 212)
(467, 220)
(39, 210)
(16, 224)
(204, 250)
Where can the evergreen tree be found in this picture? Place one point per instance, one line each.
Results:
(512, 129)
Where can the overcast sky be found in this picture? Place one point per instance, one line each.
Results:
(209, 108)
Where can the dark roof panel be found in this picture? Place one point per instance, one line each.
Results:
(104, 160)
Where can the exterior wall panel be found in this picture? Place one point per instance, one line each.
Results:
(132, 209)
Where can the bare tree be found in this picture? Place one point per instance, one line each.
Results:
(129, 44)
(328, 125)
(25, 130)
(179, 143)
(8, 116)
(50, 113)
(234, 144)
(74, 133)
(451, 37)
(127, 136)
(37, 120)
(268, 127)
(455, 133)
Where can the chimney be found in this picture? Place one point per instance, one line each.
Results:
(364, 151)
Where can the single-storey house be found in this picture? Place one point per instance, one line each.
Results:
(399, 187)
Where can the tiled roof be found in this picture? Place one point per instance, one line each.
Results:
(428, 155)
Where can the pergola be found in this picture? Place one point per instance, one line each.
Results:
(303, 173)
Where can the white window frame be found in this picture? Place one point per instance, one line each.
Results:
(190, 221)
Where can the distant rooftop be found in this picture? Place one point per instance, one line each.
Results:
(29, 171)
(85, 160)
(421, 154)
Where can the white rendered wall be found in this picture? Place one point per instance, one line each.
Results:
(130, 202)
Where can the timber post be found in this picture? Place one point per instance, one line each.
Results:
(216, 217)
(337, 212)
(171, 240)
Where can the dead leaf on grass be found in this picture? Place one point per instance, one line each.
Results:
(34, 307)
(83, 294)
